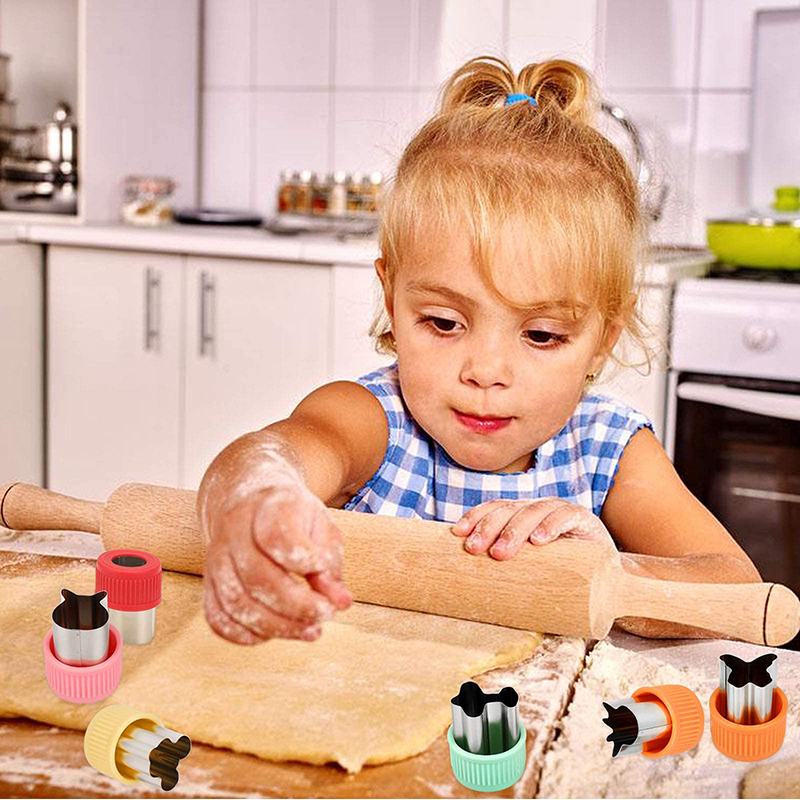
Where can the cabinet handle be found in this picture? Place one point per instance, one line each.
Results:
(152, 310)
(207, 314)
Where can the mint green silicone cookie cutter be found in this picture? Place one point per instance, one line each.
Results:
(488, 773)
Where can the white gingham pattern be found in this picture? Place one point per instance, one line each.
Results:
(418, 479)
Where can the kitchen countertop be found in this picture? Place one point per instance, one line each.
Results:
(558, 686)
(666, 265)
(10, 233)
(212, 240)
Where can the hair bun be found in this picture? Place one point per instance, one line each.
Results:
(560, 82)
(487, 81)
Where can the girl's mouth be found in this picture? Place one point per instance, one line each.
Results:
(482, 424)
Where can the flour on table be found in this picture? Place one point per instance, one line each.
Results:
(579, 763)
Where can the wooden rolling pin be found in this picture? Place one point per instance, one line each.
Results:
(569, 587)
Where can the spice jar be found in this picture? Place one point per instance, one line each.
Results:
(302, 195)
(354, 189)
(373, 186)
(146, 200)
(286, 191)
(320, 193)
(366, 194)
(337, 203)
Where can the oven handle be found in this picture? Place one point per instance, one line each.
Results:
(768, 404)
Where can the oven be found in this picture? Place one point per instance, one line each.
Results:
(733, 413)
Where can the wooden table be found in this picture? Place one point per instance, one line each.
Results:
(41, 761)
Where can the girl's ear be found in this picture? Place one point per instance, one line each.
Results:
(615, 328)
(380, 268)
(604, 348)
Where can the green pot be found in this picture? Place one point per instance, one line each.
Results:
(761, 239)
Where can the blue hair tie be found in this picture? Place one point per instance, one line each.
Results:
(518, 98)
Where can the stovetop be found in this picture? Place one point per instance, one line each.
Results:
(757, 274)
(738, 321)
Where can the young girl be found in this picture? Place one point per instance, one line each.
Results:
(508, 250)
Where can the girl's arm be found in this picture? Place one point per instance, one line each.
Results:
(339, 434)
(274, 559)
(667, 532)
(335, 438)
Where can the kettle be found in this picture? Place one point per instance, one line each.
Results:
(653, 192)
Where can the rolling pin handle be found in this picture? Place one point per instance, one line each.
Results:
(4, 490)
(772, 615)
(25, 507)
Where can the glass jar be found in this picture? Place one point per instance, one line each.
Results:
(373, 187)
(286, 191)
(337, 204)
(354, 188)
(303, 190)
(320, 195)
(146, 200)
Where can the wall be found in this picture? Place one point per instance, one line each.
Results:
(41, 36)
(342, 84)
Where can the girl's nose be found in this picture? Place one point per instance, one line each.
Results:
(486, 366)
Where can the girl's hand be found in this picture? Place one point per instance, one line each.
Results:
(501, 527)
(274, 567)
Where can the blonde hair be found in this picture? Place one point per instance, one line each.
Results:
(481, 164)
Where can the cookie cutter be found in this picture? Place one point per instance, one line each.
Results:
(485, 723)
(132, 579)
(133, 747)
(746, 687)
(486, 739)
(748, 710)
(82, 649)
(80, 629)
(655, 721)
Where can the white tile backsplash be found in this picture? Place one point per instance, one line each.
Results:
(227, 44)
(375, 43)
(343, 84)
(723, 121)
(372, 128)
(720, 171)
(649, 44)
(293, 43)
(226, 175)
(548, 29)
(292, 131)
(451, 33)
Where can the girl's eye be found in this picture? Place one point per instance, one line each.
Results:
(449, 324)
(546, 338)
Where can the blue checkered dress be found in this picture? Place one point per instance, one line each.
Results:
(418, 479)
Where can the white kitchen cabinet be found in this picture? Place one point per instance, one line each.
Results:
(357, 295)
(115, 345)
(257, 341)
(21, 419)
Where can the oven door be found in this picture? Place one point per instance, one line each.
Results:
(735, 442)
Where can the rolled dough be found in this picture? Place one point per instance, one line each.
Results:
(374, 688)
